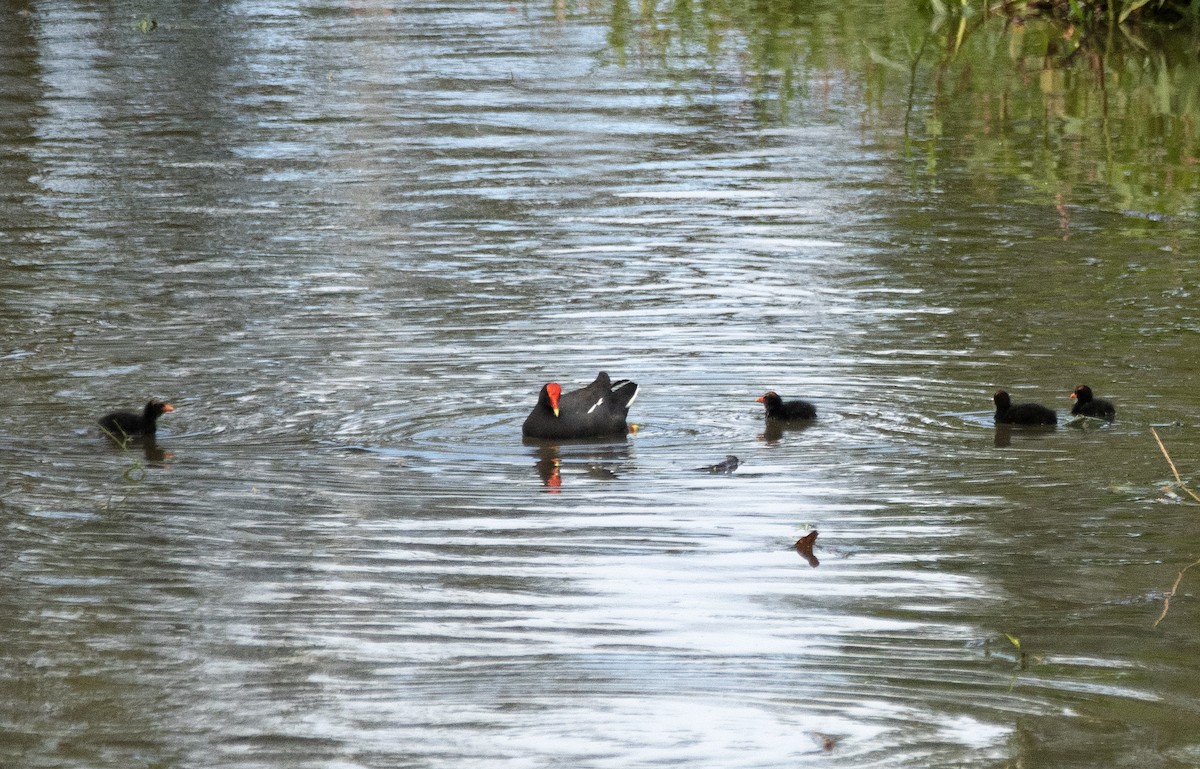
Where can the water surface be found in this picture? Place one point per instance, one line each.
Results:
(350, 242)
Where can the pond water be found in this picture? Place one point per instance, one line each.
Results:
(349, 242)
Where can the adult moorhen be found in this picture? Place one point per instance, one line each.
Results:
(1088, 405)
(778, 408)
(1021, 413)
(594, 411)
(125, 424)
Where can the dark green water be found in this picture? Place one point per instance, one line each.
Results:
(350, 242)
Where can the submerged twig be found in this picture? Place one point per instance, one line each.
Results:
(1179, 578)
(1171, 593)
(1175, 471)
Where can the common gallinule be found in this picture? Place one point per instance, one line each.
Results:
(1088, 405)
(778, 408)
(1021, 413)
(594, 411)
(124, 424)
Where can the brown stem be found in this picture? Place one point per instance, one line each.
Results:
(1171, 593)
(1179, 578)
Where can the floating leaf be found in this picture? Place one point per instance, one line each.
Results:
(804, 546)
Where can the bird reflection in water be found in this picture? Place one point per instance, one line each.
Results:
(1004, 433)
(549, 470)
(596, 459)
(153, 454)
(774, 429)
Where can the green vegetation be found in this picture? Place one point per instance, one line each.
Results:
(1099, 13)
(1065, 96)
(136, 471)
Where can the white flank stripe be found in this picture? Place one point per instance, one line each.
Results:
(593, 408)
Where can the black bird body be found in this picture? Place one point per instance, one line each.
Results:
(787, 411)
(1088, 405)
(595, 411)
(124, 424)
(1008, 413)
